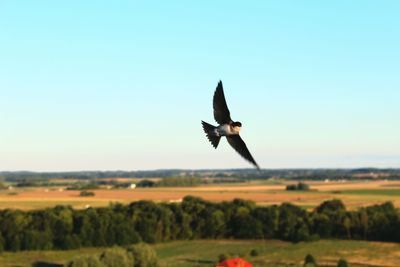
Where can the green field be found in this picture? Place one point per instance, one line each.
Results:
(205, 253)
(372, 192)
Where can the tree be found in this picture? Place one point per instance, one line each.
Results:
(61, 220)
(245, 226)
(322, 225)
(214, 226)
(125, 234)
(145, 217)
(83, 227)
(268, 216)
(33, 240)
(12, 225)
(182, 229)
(331, 206)
(302, 231)
(383, 222)
(196, 207)
(293, 223)
(333, 217)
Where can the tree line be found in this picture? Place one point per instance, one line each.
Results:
(172, 182)
(245, 174)
(63, 227)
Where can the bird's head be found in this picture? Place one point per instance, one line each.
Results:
(236, 126)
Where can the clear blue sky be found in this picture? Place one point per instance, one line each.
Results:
(87, 85)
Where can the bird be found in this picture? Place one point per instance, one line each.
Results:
(227, 127)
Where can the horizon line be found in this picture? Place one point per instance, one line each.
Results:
(203, 169)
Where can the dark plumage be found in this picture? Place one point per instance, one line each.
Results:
(226, 127)
(221, 111)
(208, 128)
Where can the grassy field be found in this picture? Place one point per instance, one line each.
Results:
(373, 192)
(205, 253)
(353, 194)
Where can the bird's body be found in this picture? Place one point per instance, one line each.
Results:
(227, 127)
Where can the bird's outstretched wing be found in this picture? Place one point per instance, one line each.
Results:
(238, 144)
(221, 111)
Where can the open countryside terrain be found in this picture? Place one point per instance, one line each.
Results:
(205, 253)
(271, 253)
(353, 193)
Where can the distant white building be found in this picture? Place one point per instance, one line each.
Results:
(132, 186)
(175, 200)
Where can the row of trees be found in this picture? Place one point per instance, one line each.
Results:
(65, 228)
(172, 182)
(43, 176)
(298, 187)
(247, 174)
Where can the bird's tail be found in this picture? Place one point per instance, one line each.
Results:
(211, 133)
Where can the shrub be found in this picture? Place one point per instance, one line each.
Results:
(342, 263)
(309, 261)
(86, 261)
(86, 194)
(222, 257)
(117, 257)
(144, 255)
(254, 253)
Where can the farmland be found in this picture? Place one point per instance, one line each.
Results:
(353, 193)
(205, 253)
(273, 253)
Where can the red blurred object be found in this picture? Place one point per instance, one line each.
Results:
(234, 262)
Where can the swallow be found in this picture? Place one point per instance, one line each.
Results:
(227, 127)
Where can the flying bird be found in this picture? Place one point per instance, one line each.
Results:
(227, 127)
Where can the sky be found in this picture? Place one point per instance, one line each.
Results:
(124, 85)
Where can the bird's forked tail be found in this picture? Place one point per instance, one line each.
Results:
(211, 133)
